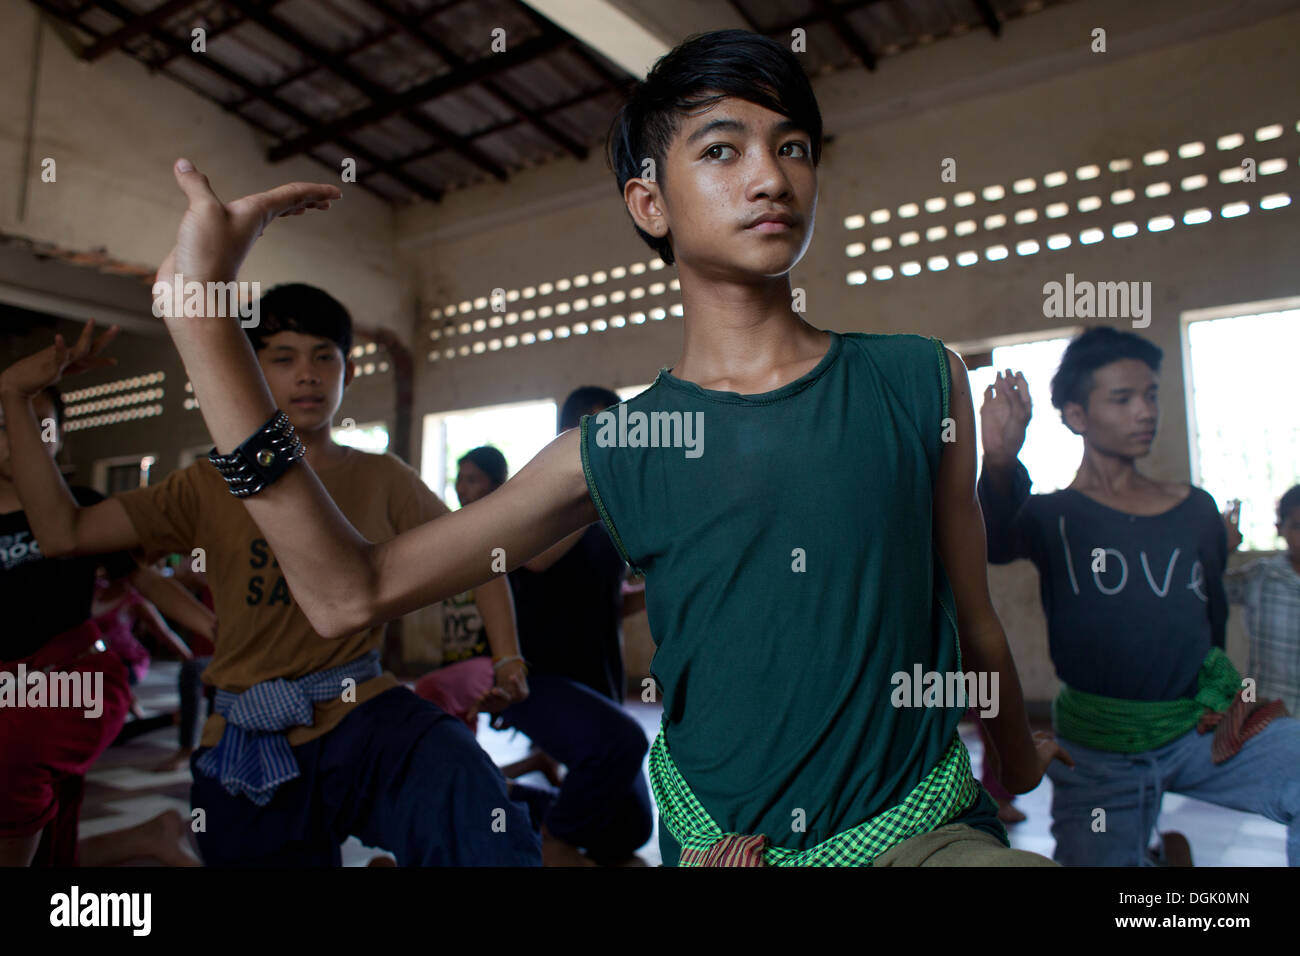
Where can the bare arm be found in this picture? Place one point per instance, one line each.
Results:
(1004, 486)
(555, 552)
(959, 529)
(343, 582)
(147, 614)
(171, 598)
(497, 608)
(60, 524)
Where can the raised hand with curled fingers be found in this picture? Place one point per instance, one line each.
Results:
(215, 237)
(52, 364)
(1004, 416)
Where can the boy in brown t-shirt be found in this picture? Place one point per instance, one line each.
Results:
(311, 742)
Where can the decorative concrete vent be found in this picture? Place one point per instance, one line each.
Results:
(111, 403)
(1150, 174)
(617, 298)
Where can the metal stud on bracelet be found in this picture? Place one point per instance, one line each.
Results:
(261, 459)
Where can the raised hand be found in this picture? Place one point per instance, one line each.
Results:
(1004, 416)
(1232, 523)
(49, 366)
(215, 237)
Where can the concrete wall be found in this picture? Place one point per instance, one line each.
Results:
(114, 131)
(1035, 101)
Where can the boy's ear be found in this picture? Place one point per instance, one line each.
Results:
(1076, 419)
(645, 203)
(349, 371)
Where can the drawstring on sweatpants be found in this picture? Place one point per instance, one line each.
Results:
(1149, 759)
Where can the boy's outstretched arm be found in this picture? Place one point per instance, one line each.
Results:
(959, 531)
(175, 601)
(60, 524)
(342, 582)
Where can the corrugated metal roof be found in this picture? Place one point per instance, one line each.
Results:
(413, 91)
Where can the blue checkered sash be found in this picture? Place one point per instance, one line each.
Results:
(253, 756)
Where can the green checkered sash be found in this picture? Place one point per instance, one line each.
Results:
(947, 791)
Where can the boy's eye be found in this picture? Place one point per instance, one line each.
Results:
(714, 152)
(799, 150)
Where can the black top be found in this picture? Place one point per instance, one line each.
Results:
(42, 597)
(570, 616)
(1133, 602)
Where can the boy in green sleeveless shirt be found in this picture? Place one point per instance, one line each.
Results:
(813, 546)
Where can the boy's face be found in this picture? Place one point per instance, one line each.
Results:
(44, 409)
(1122, 410)
(307, 375)
(472, 483)
(727, 167)
(1289, 529)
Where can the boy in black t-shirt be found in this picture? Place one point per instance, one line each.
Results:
(48, 744)
(569, 606)
(1131, 572)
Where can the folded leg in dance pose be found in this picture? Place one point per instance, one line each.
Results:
(1131, 572)
(808, 536)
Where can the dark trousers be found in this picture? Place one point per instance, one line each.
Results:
(193, 691)
(604, 805)
(397, 773)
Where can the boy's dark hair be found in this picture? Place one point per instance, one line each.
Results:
(1089, 351)
(488, 460)
(582, 399)
(302, 308)
(1290, 500)
(697, 73)
(56, 399)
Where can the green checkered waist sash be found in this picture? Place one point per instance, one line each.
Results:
(947, 791)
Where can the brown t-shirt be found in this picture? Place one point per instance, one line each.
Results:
(261, 633)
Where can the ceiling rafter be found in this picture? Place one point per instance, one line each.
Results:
(344, 80)
(133, 28)
(344, 71)
(387, 106)
(453, 60)
(235, 79)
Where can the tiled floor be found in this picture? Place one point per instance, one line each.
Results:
(121, 792)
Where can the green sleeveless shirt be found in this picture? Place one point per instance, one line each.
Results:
(791, 571)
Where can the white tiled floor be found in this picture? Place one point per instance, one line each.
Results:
(123, 793)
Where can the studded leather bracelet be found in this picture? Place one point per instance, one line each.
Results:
(262, 459)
